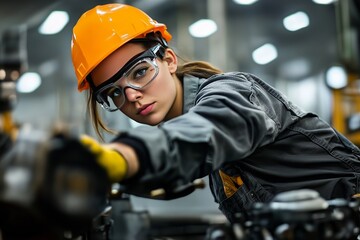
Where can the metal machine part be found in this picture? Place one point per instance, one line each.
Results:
(301, 215)
(13, 62)
(49, 183)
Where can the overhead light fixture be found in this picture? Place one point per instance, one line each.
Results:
(324, 1)
(48, 67)
(304, 92)
(28, 82)
(202, 28)
(2, 74)
(336, 77)
(296, 21)
(54, 23)
(265, 54)
(245, 2)
(296, 68)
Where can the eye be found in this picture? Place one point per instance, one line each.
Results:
(114, 93)
(140, 72)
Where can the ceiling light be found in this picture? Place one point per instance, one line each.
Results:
(54, 23)
(245, 2)
(2, 74)
(296, 21)
(265, 54)
(296, 68)
(336, 77)
(202, 28)
(303, 92)
(48, 67)
(28, 82)
(323, 1)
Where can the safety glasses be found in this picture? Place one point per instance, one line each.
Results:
(137, 73)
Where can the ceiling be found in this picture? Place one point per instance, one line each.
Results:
(301, 54)
(248, 27)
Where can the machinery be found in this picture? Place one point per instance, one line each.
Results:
(346, 98)
(300, 214)
(52, 188)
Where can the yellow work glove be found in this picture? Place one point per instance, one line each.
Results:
(110, 159)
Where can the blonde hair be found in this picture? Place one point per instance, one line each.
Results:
(199, 69)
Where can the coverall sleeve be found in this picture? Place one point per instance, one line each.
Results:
(232, 116)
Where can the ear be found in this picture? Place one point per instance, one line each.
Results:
(171, 59)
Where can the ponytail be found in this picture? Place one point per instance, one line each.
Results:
(200, 69)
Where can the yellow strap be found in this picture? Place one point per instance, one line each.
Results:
(8, 125)
(357, 195)
(231, 184)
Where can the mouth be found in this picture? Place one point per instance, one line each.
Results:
(145, 110)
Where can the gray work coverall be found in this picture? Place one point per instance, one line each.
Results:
(251, 141)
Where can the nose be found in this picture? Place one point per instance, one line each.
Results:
(133, 95)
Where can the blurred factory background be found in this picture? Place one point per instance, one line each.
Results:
(296, 46)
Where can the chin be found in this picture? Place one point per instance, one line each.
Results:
(151, 122)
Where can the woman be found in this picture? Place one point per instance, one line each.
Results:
(251, 141)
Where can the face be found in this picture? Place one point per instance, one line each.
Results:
(160, 100)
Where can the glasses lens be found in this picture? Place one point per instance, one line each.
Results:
(142, 73)
(111, 98)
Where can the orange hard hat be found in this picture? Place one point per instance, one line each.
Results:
(102, 30)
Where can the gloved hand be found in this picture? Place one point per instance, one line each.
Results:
(110, 159)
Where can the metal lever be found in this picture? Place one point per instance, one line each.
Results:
(178, 192)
